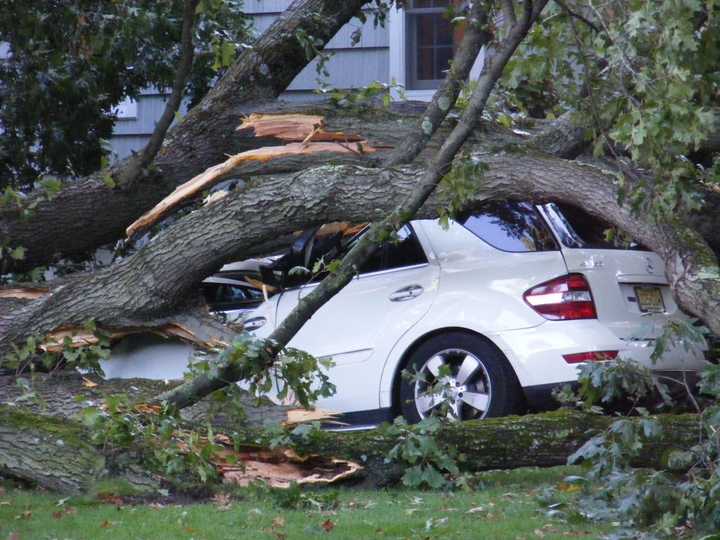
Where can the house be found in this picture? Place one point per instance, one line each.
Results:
(412, 50)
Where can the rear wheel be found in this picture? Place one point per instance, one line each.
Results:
(461, 376)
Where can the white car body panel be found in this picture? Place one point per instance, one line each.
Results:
(358, 328)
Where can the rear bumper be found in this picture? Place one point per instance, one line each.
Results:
(536, 353)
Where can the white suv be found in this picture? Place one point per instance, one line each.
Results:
(512, 299)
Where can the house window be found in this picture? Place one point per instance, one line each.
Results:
(430, 45)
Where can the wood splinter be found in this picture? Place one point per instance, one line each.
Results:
(304, 135)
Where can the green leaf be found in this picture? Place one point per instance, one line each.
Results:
(52, 186)
(18, 253)
(108, 180)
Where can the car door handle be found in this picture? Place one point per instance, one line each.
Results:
(254, 323)
(406, 293)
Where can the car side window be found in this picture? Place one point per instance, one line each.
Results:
(403, 250)
(510, 226)
(578, 229)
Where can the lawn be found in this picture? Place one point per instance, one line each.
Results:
(509, 505)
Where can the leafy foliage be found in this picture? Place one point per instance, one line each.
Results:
(646, 74)
(180, 455)
(459, 186)
(293, 371)
(427, 463)
(68, 64)
(650, 504)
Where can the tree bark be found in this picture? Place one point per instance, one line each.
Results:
(63, 395)
(50, 452)
(54, 452)
(200, 140)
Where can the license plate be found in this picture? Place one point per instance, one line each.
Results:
(650, 299)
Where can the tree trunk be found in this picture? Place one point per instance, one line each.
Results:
(63, 395)
(537, 440)
(202, 139)
(54, 453)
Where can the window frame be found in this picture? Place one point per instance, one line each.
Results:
(399, 47)
(412, 61)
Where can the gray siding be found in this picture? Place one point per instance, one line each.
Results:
(124, 145)
(150, 106)
(349, 67)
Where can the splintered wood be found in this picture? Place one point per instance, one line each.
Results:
(304, 416)
(292, 128)
(304, 134)
(75, 338)
(23, 293)
(281, 468)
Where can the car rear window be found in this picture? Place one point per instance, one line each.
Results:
(510, 226)
(578, 229)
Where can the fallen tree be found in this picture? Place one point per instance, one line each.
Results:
(54, 453)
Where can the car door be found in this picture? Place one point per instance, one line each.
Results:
(358, 327)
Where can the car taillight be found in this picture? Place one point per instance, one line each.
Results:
(563, 299)
(593, 356)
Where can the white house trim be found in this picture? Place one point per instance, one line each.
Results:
(398, 59)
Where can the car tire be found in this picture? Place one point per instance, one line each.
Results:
(478, 381)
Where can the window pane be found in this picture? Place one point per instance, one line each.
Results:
(406, 251)
(443, 31)
(577, 229)
(510, 226)
(425, 30)
(210, 290)
(430, 47)
(443, 56)
(425, 64)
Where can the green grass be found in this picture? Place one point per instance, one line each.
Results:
(506, 507)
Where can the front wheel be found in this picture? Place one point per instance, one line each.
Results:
(461, 376)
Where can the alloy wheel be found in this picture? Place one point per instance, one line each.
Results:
(454, 383)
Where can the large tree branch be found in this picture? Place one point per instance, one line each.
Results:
(154, 283)
(203, 138)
